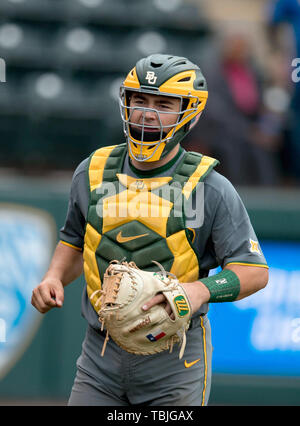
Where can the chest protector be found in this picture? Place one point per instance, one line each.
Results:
(140, 219)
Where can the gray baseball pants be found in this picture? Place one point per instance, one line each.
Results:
(122, 379)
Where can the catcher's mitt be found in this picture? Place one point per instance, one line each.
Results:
(125, 290)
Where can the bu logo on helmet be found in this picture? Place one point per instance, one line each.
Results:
(151, 77)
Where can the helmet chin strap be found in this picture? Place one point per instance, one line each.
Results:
(148, 136)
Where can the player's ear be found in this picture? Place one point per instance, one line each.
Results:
(196, 119)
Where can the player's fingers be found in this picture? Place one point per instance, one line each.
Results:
(158, 298)
(38, 303)
(58, 296)
(168, 308)
(169, 311)
(45, 294)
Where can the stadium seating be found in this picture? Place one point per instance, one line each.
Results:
(21, 45)
(98, 12)
(65, 60)
(140, 43)
(31, 10)
(80, 48)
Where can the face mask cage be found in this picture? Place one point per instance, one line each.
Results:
(164, 134)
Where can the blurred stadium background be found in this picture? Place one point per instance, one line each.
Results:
(62, 64)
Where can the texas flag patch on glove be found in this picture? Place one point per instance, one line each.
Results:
(155, 335)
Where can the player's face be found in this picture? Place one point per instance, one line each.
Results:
(161, 111)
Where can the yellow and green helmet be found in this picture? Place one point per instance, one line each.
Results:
(163, 75)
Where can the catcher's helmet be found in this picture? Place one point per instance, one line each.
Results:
(168, 76)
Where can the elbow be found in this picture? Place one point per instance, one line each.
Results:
(264, 278)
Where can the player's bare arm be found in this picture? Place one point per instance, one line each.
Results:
(252, 278)
(65, 267)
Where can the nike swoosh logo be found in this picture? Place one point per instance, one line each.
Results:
(190, 364)
(122, 239)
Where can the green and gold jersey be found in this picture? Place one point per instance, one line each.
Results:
(184, 215)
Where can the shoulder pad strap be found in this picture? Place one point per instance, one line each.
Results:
(104, 164)
(193, 169)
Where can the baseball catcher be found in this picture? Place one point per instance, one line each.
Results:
(147, 198)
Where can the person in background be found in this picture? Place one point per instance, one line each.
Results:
(237, 126)
(287, 12)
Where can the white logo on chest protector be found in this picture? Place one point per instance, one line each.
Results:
(151, 77)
